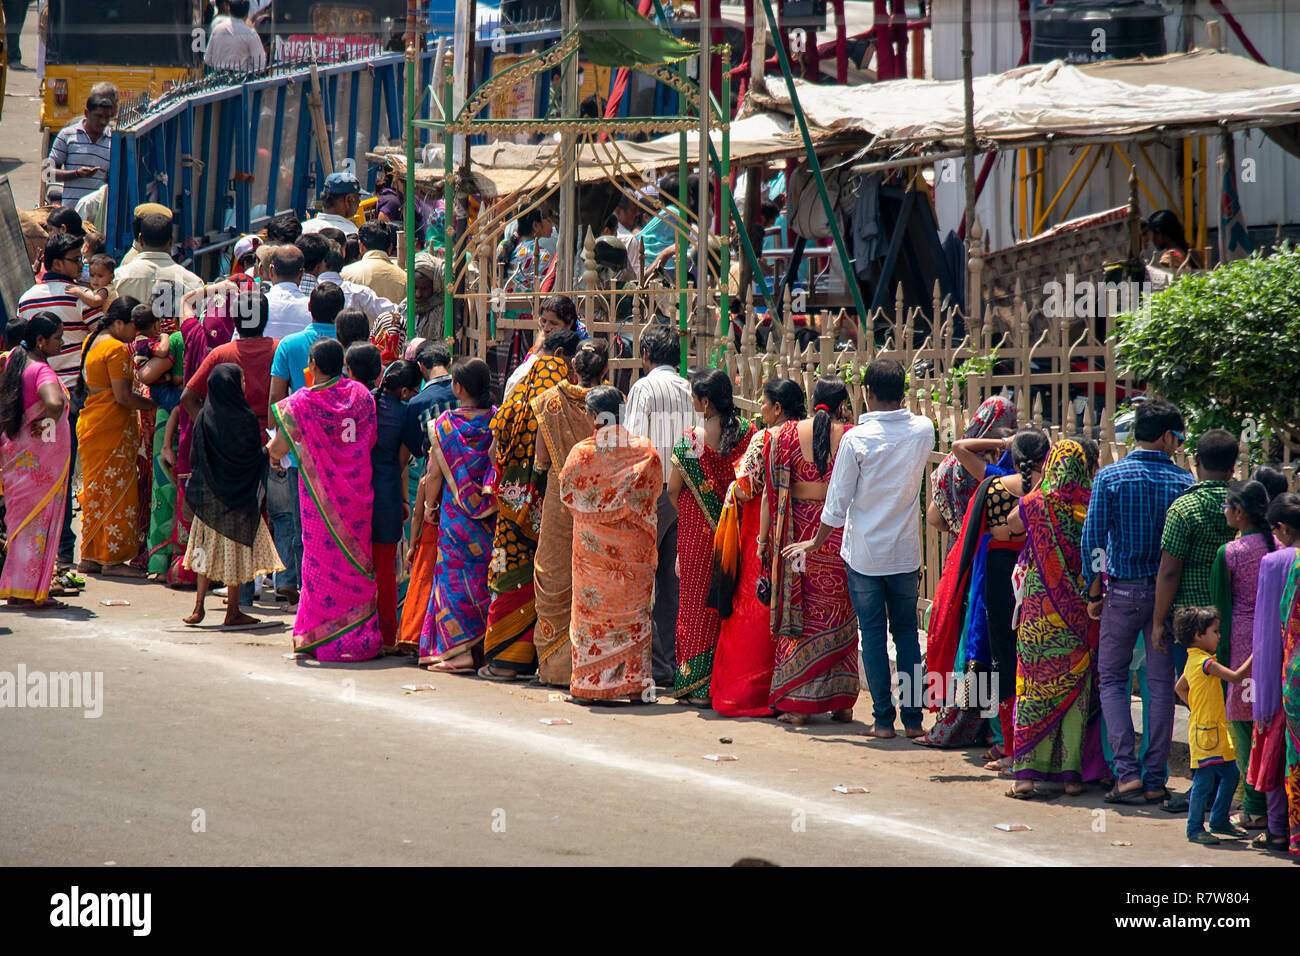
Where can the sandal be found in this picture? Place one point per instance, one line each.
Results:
(487, 673)
(1204, 838)
(1134, 796)
(441, 667)
(1266, 841)
(992, 754)
(1231, 832)
(795, 720)
(1029, 794)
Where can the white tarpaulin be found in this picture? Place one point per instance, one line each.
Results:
(1033, 100)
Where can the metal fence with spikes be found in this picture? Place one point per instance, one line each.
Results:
(227, 151)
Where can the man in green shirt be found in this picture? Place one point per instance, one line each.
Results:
(1195, 529)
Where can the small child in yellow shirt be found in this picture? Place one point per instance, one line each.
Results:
(1214, 762)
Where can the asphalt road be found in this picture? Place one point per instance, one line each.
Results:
(212, 748)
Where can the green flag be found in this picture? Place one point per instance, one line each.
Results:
(613, 34)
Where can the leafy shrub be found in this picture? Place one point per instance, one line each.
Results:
(1223, 345)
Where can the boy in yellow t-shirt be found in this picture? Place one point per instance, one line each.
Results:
(1214, 762)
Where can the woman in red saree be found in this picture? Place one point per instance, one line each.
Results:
(330, 428)
(35, 450)
(812, 618)
(742, 665)
(704, 463)
(610, 484)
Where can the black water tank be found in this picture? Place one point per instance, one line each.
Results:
(1068, 31)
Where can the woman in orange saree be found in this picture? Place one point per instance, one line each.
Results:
(611, 484)
(108, 436)
(35, 451)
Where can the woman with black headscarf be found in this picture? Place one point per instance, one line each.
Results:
(229, 541)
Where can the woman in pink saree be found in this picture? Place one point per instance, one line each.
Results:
(35, 449)
(331, 429)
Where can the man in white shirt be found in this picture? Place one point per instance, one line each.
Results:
(153, 272)
(628, 214)
(340, 198)
(660, 408)
(232, 43)
(287, 303)
(875, 496)
(80, 154)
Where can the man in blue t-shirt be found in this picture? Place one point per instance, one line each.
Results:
(288, 374)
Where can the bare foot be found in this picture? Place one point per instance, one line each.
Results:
(239, 619)
(1073, 789)
(844, 716)
(881, 733)
(798, 720)
(1002, 763)
(913, 732)
(196, 617)
(123, 571)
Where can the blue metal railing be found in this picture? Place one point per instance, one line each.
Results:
(227, 152)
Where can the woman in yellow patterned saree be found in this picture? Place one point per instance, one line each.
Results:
(108, 437)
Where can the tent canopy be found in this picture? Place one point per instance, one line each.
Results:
(1196, 90)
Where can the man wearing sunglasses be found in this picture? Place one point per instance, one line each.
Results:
(63, 255)
(1122, 539)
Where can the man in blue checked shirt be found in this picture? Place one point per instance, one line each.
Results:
(1121, 537)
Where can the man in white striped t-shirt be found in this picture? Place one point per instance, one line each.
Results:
(52, 294)
(659, 407)
(80, 153)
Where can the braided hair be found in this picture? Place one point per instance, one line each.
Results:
(715, 385)
(829, 394)
(1029, 448)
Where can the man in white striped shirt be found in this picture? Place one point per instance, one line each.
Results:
(80, 153)
(660, 408)
(51, 294)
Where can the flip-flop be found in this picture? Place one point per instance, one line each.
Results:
(1015, 794)
(487, 673)
(468, 669)
(1204, 838)
(1132, 797)
(1231, 833)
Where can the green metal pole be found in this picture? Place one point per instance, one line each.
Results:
(846, 264)
(448, 217)
(683, 198)
(745, 244)
(408, 224)
(724, 183)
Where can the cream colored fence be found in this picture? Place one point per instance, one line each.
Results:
(1062, 379)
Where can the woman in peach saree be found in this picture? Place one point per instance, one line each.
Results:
(611, 484)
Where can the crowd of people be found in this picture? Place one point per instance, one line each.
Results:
(273, 435)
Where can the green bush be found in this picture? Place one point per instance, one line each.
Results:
(1223, 345)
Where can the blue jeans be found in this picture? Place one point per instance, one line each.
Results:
(1213, 785)
(282, 506)
(875, 599)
